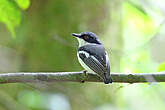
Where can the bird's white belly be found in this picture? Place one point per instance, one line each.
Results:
(84, 65)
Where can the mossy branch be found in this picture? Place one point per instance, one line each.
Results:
(23, 77)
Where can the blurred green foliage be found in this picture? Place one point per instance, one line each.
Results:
(136, 21)
(161, 67)
(43, 42)
(23, 4)
(10, 14)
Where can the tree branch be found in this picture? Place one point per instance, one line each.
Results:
(80, 77)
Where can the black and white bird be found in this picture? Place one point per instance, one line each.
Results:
(92, 55)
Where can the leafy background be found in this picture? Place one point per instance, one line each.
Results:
(36, 36)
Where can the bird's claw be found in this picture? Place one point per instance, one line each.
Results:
(85, 73)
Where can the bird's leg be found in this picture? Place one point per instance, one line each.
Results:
(86, 74)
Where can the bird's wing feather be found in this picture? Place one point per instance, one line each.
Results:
(97, 60)
(93, 64)
(107, 63)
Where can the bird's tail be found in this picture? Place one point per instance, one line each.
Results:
(107, 78)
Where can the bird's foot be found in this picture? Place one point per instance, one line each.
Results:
(86, 74)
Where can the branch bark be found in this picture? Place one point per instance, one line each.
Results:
(23, 77)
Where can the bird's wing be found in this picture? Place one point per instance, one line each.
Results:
(95, 58)
(107, 63)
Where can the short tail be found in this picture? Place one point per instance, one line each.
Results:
(107, 79)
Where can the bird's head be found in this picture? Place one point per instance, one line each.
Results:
(85, 38)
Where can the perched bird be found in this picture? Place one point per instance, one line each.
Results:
(92, 55)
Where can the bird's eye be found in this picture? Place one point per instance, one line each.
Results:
(86, 37)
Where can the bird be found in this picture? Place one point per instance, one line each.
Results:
(92, 55)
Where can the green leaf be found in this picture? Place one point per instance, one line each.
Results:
(23, 4)
(10, 15)
(161, 67)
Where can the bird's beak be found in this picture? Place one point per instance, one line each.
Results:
(76, 35)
